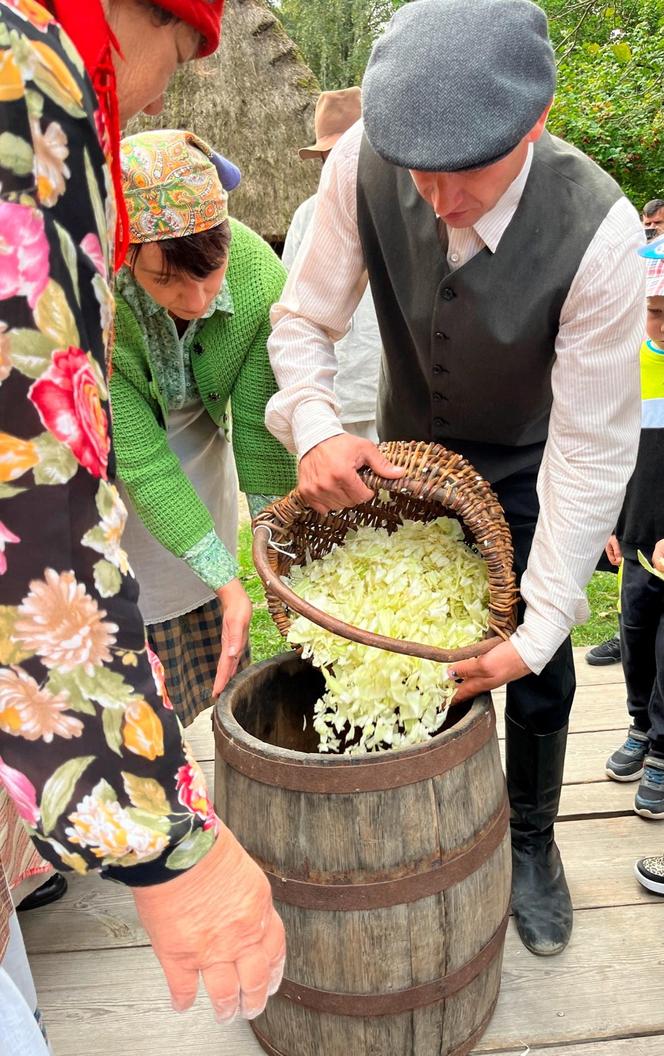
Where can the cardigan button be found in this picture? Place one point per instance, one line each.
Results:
(447, 293)
(214, 396)
(198, 349)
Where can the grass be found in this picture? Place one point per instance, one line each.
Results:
(603, 622)
(264, 637)
(266, 640)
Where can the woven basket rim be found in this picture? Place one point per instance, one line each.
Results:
(437, 482)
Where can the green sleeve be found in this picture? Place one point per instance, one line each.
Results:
(212, 562)
(264, 466)
(161, 492)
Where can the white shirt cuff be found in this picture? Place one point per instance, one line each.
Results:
(313, 421)
(537, 639)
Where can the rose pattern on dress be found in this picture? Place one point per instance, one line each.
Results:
(91, 750)
(192, 792)
(24, 253)
(67, 398)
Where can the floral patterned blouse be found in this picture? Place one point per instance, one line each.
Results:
(90, 749)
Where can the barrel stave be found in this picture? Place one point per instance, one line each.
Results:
(468, 796)
(476, 906)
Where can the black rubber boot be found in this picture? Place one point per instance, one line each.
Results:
(541, 901)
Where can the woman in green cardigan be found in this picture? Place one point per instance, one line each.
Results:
(190, 371)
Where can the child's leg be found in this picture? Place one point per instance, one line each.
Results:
(641, 598)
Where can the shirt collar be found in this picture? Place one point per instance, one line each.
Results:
(492, 226)
(140, 301)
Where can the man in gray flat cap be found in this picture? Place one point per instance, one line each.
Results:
(510, 300)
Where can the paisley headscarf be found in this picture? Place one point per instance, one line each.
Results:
(171, 184)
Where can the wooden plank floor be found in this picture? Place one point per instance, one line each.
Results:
(102, 991)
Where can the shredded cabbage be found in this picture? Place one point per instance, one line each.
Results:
(421, 583)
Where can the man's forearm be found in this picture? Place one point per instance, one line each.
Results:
(304, 412)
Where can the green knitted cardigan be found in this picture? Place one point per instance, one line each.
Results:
(230, 362)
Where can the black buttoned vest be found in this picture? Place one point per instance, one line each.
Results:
(468, 354)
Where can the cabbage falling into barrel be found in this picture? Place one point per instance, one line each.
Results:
(422, 582)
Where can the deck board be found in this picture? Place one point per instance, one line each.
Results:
(103, 993)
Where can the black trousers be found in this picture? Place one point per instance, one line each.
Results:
(541, 703)
(642, 647)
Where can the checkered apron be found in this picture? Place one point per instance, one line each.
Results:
(189, 647)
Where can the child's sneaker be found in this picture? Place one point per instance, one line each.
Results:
(626, 763)
(605, 653)
(649, 800)
(650, 873)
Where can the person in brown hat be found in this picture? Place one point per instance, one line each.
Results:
(358, 353)
(335, 113)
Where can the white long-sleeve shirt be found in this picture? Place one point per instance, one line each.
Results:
(358, 353)
(594, 425)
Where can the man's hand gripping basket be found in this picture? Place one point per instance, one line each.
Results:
(437, 483)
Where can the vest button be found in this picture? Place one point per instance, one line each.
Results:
(447, 293)
(440, 336)
(198, 349)
(437, 369)
(214, 396)
(438, 422)
(438, 396)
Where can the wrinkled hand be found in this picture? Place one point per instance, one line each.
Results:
(658, 556)
(217, 919)
(237, 610)
(482, 673)
(328, 478)
(613, 551)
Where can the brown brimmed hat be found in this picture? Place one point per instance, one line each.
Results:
(335, 113)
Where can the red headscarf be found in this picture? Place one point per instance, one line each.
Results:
(86, 24)
(203, 15)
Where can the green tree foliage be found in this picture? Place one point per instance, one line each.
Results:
(610, 65)
(335, 36)
(611, 88)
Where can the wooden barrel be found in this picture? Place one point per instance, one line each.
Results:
(391, 871)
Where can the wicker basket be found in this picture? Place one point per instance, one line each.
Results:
(437, 482)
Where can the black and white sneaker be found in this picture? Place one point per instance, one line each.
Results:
(626, 763)
(649, 799)
(650, 873)
(606, 653)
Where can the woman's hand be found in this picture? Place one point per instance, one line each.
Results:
(218, 920)
(237, 609)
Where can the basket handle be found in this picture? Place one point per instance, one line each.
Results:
(273, 582)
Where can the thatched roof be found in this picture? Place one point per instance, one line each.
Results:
(254, 102)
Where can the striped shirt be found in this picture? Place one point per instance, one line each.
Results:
(594, 425)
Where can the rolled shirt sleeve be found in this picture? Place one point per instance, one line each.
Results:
(324, 287)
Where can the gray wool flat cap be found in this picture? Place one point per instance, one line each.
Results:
(456, 84)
